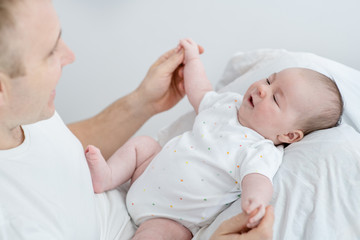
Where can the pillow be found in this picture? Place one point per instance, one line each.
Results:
(316, 190)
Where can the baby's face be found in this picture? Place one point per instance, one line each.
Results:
(272, 106)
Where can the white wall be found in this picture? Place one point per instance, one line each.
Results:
(115, 41)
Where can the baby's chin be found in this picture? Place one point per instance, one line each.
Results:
(241, 119)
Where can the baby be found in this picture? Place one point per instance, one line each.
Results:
(233, 150)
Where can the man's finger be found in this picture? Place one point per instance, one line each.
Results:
(169, 53)
(173, 61)
(235, 224)
(264, 231)
(268, 219)
(201, 49)
(165, 56)
(181, 71)
(258, 215)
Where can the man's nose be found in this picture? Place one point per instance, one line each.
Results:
(68, 56)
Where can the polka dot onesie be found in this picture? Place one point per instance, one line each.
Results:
(198, 174)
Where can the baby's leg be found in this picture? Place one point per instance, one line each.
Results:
(120, 167)
(162, 229)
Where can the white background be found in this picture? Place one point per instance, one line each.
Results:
(115, 42)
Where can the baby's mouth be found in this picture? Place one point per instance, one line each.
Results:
(251, 101)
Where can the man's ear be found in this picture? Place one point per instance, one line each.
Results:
(291, 137)
(3, 79)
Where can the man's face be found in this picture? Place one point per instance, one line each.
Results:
(273, 105)
(38, 36)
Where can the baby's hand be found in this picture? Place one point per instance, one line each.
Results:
(255, 208)
(191, 49)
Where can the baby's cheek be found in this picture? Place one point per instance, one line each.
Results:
(267, 112)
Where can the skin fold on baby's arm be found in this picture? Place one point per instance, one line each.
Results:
(255, 196)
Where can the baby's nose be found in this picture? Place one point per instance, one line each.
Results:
(262, 91)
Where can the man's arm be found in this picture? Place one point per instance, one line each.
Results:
(159, 91)
(112, 127)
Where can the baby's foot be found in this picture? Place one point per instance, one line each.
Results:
(99, 169)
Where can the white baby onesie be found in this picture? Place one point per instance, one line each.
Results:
(198, 174)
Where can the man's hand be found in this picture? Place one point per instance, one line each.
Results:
(235, 228)
(162, 87)
(255, 208)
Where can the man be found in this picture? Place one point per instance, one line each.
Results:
(46, 190)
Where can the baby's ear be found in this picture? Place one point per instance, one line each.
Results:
(291, 137)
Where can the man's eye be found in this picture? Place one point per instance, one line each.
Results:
(53, 51)
(268, 82)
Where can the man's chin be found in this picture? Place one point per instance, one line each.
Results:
(50, 113)
(46, 115)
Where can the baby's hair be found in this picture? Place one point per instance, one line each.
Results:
(329, 114)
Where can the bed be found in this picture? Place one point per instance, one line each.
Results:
(317, 188)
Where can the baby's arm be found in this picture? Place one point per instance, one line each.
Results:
(256, 194)
(195, 80)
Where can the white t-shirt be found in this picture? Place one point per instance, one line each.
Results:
(45, 184)
(199, 173)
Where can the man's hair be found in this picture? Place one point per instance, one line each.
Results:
(10, 57)
(329, 114)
